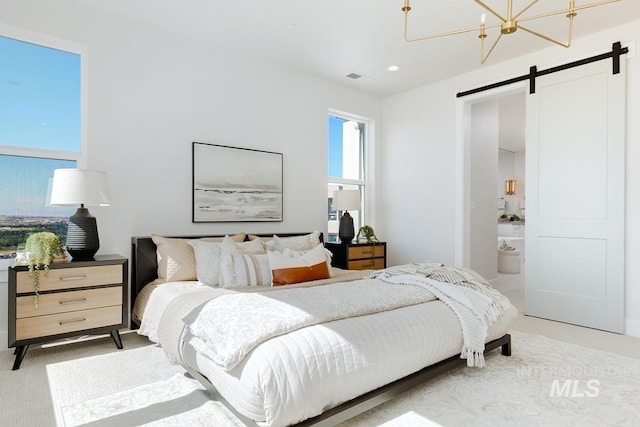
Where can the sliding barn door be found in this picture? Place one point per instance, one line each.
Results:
(575, 174)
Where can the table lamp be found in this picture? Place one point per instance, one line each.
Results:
(343, 200)
(81, 187)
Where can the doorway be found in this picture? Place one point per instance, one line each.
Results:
(575, 144)
(495, 157)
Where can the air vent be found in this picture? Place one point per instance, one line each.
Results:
(353, 76)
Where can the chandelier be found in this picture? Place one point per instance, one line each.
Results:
(508, 24)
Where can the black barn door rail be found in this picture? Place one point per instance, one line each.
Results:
(614, 54)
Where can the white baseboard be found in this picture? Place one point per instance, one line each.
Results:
(4, 340)
(632, 327)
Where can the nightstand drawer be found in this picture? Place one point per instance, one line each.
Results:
(358, 256)
(357, 252)
(63, 302)
(366, 264)
(69, 278)
(54, 324)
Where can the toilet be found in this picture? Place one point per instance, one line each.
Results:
(509, 261)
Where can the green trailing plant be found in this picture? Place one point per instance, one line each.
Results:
(40, 250)
(368, 233)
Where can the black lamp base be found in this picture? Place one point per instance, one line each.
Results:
(82, 235)
(346, 232)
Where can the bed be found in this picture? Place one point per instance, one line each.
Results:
(355, 357)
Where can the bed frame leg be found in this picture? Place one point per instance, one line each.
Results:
(506, 347)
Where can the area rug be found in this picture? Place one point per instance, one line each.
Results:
(543, 383)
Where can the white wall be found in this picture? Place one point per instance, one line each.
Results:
(420, 148)
(151, 93)
(485, 131)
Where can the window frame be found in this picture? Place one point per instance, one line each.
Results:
(366, 214)
(61, 45)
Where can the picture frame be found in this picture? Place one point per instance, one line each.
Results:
(233, 184)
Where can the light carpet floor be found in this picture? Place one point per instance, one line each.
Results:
(543, 383)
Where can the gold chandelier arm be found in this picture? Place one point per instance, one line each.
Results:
(525, 9)
(493, 12)
(509, 24)
(433, 36)
(483, 58)
(568, 10)
(542, 36)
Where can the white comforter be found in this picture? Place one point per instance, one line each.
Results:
(243, 321)
(291, 377)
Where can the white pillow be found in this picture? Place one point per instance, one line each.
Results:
(287, 269)
(296, 243)
(251, 247)
(208, 256)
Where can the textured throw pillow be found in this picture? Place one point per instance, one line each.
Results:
(229, 248)
(176, 259)
(287, 270)
(250, 270)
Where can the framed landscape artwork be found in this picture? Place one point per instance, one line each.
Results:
(233, 184)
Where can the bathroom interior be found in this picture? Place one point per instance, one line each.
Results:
(497, 169)
(511, 210)
(511, 216)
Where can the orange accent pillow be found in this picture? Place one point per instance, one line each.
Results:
(289, 276)
(292, 267)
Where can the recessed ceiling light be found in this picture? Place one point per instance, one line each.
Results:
(290, 26)
(393, 68)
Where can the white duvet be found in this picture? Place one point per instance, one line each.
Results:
(244, 321)
(301, 374)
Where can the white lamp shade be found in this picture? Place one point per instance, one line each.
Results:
(79, 187)
(346, 200)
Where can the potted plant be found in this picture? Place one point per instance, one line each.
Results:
(368, 233)
(40, 250)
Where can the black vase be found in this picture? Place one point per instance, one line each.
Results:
(346, 231)
(82, 235)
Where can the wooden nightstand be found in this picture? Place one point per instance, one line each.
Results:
(78, 298)
(358, 256)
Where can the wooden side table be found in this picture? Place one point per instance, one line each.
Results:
(78, 298)
(358, 256)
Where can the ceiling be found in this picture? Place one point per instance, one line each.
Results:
(333, 38)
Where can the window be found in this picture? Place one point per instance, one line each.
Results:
(346, 147)
(40, 130)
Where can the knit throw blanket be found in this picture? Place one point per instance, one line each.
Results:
(475, 303)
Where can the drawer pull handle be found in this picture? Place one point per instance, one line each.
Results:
(64, 322)
(65, 279)
(72, 301)
(367, 252)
